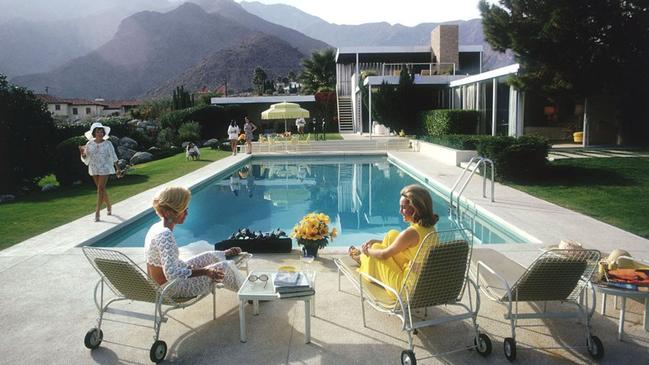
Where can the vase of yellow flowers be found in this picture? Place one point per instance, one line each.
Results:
(312, 233)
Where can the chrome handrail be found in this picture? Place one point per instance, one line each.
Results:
(474, 163)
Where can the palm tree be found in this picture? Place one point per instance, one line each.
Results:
(319, 72)
(259, 78)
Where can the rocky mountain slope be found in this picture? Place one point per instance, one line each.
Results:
(373, 34)
(151, 48)
(236, 65)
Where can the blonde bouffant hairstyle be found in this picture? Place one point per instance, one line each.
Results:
(171, 201)
(420, 199)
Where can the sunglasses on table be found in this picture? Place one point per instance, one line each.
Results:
(255, 278)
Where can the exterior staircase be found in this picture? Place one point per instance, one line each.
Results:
(345, 119)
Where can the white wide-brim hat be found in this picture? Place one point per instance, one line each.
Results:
(94, 126)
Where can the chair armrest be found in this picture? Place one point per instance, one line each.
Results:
(498, 276)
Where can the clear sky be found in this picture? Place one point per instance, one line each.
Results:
(406, 12)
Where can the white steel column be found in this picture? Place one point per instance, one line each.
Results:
(477, 107)
(512, 117)
(369, 112)
(355, 112)
(494, 104)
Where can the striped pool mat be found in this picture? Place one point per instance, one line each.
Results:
(559, 154)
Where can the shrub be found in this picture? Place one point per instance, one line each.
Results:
(27, 135)
(516, 158)
(174, 119)
(190, 131)
(67, 166)
(456, 141)
(166, 138)
(450, 121)
(165, 152)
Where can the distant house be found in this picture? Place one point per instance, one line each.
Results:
(434, 67)
(82, 108)
(450, 76)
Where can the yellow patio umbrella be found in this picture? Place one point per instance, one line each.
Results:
(284, 111)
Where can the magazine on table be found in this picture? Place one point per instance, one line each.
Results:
(291, 282)
(302, 293)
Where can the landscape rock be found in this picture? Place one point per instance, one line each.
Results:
(133, 122)
(211, 143)
(48, 187)
(7, 198)
(141, 124)
(114, 140)
(128, 142)
(141, 157)
(125, 153)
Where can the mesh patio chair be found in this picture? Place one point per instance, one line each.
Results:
(128, 281)
(437, 276)
(556, 275)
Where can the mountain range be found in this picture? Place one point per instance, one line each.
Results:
(374, 34)
(151, 48)
(198, 44)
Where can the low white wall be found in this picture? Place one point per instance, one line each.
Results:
(443, 154)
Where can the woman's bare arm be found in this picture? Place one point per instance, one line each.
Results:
(404, 240)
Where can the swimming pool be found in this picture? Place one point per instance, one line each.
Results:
(359, 193)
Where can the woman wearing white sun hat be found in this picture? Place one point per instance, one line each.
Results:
(99, 155)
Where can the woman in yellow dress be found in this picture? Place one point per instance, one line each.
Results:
(388, 260)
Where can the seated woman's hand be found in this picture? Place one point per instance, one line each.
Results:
(232, 251)
(216, 274)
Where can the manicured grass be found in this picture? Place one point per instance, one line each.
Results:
(613, 190)
(40, 212)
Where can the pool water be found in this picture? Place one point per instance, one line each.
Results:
(359, 193)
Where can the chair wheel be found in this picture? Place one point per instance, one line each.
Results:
(509, 346)
(158, 351)
(483, 344)
(93, 338)
(595, 347)
(408, 357)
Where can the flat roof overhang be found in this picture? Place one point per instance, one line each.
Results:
(262, 99)
(408, 54)
(419, 80)
(502, 71)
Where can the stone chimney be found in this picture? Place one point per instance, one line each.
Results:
(444, 44)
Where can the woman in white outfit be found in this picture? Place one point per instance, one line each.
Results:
(163, 263)
(233, 136)
(101, 159)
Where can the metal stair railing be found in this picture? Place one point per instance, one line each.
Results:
(475, 162)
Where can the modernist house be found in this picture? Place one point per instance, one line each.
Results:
(434, 67)
(450, 76)
(82, 108)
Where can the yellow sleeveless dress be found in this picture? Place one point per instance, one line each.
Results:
(392, 270)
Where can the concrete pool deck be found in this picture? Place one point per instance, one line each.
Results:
(47, 306)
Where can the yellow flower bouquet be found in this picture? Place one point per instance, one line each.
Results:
(313, 231)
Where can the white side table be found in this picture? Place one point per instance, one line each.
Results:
(259, 290)
(624, 294)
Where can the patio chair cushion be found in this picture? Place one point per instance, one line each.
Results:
(437, 273)
(130, 282)
(510, 270)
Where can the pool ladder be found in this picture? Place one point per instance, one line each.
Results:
(473, 164)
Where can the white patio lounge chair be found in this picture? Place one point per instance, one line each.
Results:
(556, 275)
(128, 281)
(438, 275)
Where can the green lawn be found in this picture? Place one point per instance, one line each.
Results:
(613, 190)
(40, 212)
